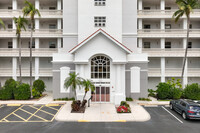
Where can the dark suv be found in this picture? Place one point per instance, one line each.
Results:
(189, 109)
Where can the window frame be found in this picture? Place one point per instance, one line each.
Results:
(100, 21)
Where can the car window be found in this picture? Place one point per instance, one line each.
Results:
(183, 104)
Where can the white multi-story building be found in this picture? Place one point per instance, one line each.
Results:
(71, 34)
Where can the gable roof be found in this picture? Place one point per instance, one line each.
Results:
(95, 34)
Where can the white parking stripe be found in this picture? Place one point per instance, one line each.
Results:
(172, 115)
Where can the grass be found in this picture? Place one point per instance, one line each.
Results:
(64, 99)
(163, 100)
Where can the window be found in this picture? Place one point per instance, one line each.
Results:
(167, 26)
(147, 45)
(167, 8)
(52, 44)
(147, 26)
(100, 21)
(10, 8)
(10, 45)
(10, 26)
(99, 2)
(100, 67)
(190, 26)
(189, 44)
(147, 8)
(167, 44)
(183, 104)
(52, 26)
(33, 44)
(52, 8)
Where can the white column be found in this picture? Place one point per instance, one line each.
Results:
(14, 61)
(118, 79)
(64, 73)
(184, 23)
(162, 43)
(162, 24)
(140, 5)
(37, 24)
(140, 45)
(140, 24)
(14, 26)
(59, 24)
(59, 5)
(185, 77)
(37, 4)
(37, 43)
(59, 43)
(14, 68)
(135, 80)
(162, 69)
(37, 65)
(14, 4)
(184, 43)
(162, 5)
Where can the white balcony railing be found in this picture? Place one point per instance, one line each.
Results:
(37, 33)
(6, 13)
(173, 33)
(5, 72)
(163, 13)
(41, 52)
(172, 52)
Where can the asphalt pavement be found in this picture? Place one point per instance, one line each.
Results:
(162, 120)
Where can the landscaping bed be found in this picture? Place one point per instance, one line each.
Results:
(123, 108)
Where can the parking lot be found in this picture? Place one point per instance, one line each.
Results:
(28, 113)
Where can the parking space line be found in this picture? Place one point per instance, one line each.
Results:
(33, 107)
(56, 113)
(172, 115)
(11, 113)
(47, 112)
(37, 116)
(52, 108)
(19, 117)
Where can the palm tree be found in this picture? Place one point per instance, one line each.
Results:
(185, 8)
(30, 10)
(87, 84)
(20, 24)
(2, 23)
(73, 81)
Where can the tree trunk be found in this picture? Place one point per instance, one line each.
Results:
(31, 60)
(20, 58)
(186, 49)
(75, 94)
(84, 95)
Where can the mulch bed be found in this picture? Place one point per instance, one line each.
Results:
(82, 110)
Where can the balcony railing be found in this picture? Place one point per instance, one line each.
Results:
(44, 13)
(41, 52)
(177, 52)
(173, 72)
(37, 33)
(162, 13)
(168, 33)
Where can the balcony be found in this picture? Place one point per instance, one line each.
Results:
(173, 72)
(6, 13)
(43, 72)
(173, 52)
(41, 52)
(168, 33)
(163, 13)
(40, 33)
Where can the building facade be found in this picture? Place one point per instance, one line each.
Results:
(125, 47)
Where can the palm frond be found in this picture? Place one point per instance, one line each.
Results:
(2, 23)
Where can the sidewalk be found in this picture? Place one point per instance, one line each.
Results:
(103, 113)
(153, 102)
(47, 99)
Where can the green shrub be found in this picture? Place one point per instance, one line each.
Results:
(7, 92)
(124, 103)
(192, 91)
(163, 91)
(39, 86)
(176, 93)
(144, 99)
(129, 99)
(22, 92)
(152, 93)
(36, 94)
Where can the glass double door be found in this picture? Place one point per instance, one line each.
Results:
(102, 94)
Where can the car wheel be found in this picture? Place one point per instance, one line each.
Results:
(171, 107)
(184, 116)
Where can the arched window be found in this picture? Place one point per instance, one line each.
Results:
(100, 67)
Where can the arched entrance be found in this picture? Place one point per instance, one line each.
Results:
(100, 75)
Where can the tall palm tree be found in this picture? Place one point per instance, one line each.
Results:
(73, 82)
(20, 24)
(30, 10)
(88, 85)
(185, 8)
(2, 23)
